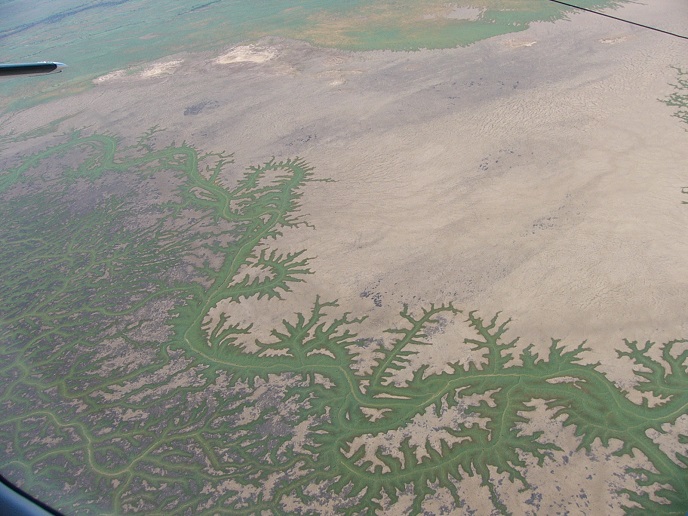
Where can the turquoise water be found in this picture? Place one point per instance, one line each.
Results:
(95, 38)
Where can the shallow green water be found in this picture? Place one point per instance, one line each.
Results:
(97, 37)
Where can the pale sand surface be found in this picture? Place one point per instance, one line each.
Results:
(535, 174)
(246, 54)
(162, 68)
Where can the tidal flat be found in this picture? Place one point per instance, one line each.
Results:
(115, 35)
(476, 212)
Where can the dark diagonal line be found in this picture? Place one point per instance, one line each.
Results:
(621, 19)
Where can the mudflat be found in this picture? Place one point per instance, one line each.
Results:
(538, 175)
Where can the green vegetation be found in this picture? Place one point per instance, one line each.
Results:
(124, 387)
(679, 98)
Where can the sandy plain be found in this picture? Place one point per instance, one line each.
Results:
(536, 174)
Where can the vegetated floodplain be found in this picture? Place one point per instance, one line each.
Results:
(123, 390)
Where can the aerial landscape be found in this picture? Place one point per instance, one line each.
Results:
(386, 258)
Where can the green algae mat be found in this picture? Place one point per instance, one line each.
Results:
(124, 390)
